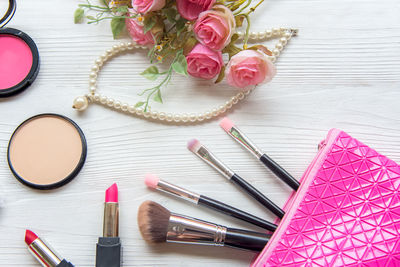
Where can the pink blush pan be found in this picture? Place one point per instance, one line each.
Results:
(19, 61)
(15, 61)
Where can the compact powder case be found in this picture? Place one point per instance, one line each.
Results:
(47, 151)
(19, 57)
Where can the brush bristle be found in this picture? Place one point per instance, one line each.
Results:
(151, 180)
(193, 145)
(153, 222)
(226, 124)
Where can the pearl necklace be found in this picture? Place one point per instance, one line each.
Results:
(81, 103)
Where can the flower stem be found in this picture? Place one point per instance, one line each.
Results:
(243, 8)
(252, 9)
(246, 36)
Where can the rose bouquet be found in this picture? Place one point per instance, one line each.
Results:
(192, 36)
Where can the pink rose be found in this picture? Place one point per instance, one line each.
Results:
(249, 67)
(145, 6)
(190, 9)
(203, 62)
(214, 28)
(135, 30)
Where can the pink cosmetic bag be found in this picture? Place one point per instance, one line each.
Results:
(345, 213)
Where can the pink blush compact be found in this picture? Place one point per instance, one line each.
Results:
(15, 61)
(19, 61)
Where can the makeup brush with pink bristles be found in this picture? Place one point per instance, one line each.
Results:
(242, 139)
(161, 185)
(202, 152)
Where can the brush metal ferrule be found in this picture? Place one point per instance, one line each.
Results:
(111, 219)
(242, 139)
(44, 254)
(188, 230)
(213, 161)
(178, 191)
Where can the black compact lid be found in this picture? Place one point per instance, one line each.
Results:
(28, 80)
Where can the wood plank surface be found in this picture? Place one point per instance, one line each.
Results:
(342, 71)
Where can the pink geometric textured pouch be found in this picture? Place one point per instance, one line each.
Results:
(345, 213)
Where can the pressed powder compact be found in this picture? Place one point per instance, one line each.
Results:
(19, 57)
(47, 151)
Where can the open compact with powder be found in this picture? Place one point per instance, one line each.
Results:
(46, 151)
(19, 57)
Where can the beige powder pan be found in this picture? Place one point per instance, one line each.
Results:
(47, 151)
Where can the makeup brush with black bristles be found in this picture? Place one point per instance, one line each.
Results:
(157, 224)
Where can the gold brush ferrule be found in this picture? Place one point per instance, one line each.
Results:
(178, 191)
(213, 161)
(44, 254)
(242, 139)
(111, 219)
(188, 230)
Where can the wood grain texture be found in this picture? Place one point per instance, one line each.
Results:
(343, 70)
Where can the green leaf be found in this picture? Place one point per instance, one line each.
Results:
(122, 9)
(139, 104)
(117, 26)
(170, 13)
(221, 75)
(149, 23)
(180, 64)
(180, 25)
(157, 97)
(239, 20)
(78, 15)
(151, 73)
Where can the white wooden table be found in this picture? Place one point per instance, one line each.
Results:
(343, 70)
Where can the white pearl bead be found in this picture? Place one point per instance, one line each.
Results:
(109, 51)
(283, 40)
(124, 107)
(146, 114)
(98, 62)
(275, 52)
(272, 58)
(234, 100)
(240, 96)
(279, 46)
(92, 89)
(161, 116)
(80, 103)
(95, 68)
(154, 115)
(268, 33)
(110, 102)
(228, 104)
(262, 35)
(201, 117)
(117, 104)
(177, 118)
(192, 117)
(275, 31)
(214, 112)
(185, 117)
(96, 97)
(253, 35)
(93, 75)
(222, 108)
(103, 99)
(169, 117)
(92, 82)
(287, 35)
(131, 109)
(139, 112)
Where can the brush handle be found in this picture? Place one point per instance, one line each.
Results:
(258, 195)
(65, 263)
(280, 172)
(244, 239)
(237, 213)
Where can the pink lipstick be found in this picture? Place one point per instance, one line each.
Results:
(43, 253)
(108, 250)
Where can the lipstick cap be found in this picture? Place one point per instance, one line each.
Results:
(108, 252)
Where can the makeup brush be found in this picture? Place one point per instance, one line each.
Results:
(197, 148)
(155, 183)
(157, 225)
(242, 139)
